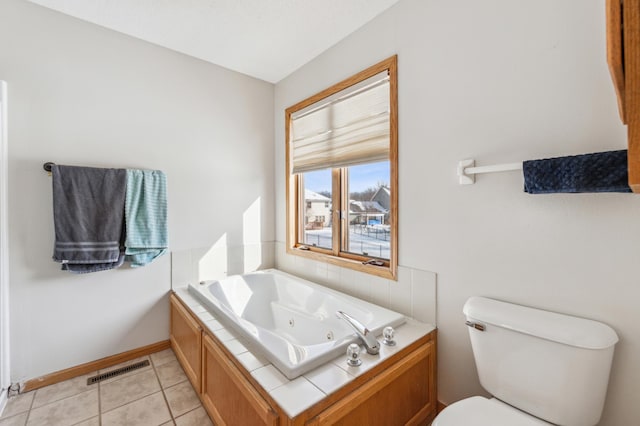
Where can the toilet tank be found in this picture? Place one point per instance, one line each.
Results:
(553, 366)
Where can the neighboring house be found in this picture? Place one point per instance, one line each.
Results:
(317, 212)
(366, 213)
(383, 197)
(373, 212)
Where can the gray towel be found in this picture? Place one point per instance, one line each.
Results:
(88, 216)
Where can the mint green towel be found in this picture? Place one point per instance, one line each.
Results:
(146, 216)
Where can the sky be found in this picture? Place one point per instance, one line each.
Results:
(360, 177)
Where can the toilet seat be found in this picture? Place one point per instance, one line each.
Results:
(480, 411)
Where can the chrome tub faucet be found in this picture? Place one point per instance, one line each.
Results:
(370, 342)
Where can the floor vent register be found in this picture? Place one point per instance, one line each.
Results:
(117, 372)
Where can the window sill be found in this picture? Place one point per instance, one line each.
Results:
(388, 272)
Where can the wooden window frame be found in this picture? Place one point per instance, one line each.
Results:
(295, 219)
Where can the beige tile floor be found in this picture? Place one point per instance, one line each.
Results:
(159, 394)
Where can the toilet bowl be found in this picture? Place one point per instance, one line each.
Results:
(480, 411)
(543, 368)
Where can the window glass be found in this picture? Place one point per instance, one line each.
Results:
(369, 210)
(316, 187)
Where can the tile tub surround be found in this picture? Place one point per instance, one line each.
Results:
(219, 261)
(295, 396)
(413, 294)
(158, 394)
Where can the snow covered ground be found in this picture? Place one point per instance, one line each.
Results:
(362, 240)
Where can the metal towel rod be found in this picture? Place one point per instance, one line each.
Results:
(467, 170)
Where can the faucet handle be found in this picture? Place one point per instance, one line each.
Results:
(388, 334)
(353, 355)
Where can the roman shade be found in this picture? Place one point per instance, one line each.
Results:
(348, 128)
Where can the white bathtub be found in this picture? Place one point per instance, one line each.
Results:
(291, 320)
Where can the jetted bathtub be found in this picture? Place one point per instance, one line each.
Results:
(292, 321)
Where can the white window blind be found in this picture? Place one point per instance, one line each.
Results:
(351, 127)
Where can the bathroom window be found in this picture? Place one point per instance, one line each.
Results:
(342, 168)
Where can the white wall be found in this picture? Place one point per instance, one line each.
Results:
(500, 81)
(84, 95)
(5, 363)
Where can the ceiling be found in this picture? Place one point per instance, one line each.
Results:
(266, 39)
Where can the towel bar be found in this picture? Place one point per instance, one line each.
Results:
(467, 171)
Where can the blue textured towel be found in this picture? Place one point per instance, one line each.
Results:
(146, 216)
(598, 172)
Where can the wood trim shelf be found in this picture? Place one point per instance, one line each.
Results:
(614, 52)
(623, 57)
(631, 97)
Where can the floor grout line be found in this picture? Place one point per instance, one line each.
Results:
(124, 376)
(190, 411)
(57, 400)
(99, 403)
(164, 395)
(33, 399)
(15, 415)
(31, 409)
(130, 402)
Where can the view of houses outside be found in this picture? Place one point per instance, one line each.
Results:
(317, 208)
(369, 209)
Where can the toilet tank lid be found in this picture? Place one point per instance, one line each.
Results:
(561, 328)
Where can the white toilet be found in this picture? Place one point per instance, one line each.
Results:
(541, 367)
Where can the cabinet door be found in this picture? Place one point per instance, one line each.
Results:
(404, 394)
(228, 397)
(186, 339)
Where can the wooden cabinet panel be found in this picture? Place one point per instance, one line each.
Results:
(404, 394)
(400, 391)
(228, 397)
(186, 340)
